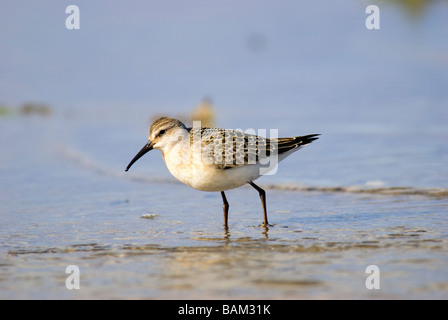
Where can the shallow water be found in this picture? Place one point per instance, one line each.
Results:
(140, 236)
(373, 190)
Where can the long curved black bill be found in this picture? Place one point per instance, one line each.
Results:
(145, 149)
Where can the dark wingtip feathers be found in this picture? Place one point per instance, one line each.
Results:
(307, 139)
(286, 144)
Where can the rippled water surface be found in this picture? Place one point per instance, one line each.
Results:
(143, 236)
(373, 190)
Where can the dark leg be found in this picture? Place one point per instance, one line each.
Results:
(225, 208)
(262, 194)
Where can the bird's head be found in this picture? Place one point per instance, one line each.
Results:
(163, 134)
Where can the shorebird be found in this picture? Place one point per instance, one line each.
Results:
(212, 159)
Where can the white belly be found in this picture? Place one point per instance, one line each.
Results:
(209, 178)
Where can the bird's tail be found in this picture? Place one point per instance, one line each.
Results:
(287, 144)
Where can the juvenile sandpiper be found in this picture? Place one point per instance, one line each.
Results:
(212, 159)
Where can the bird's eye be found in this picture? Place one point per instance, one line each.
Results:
(161, 132)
